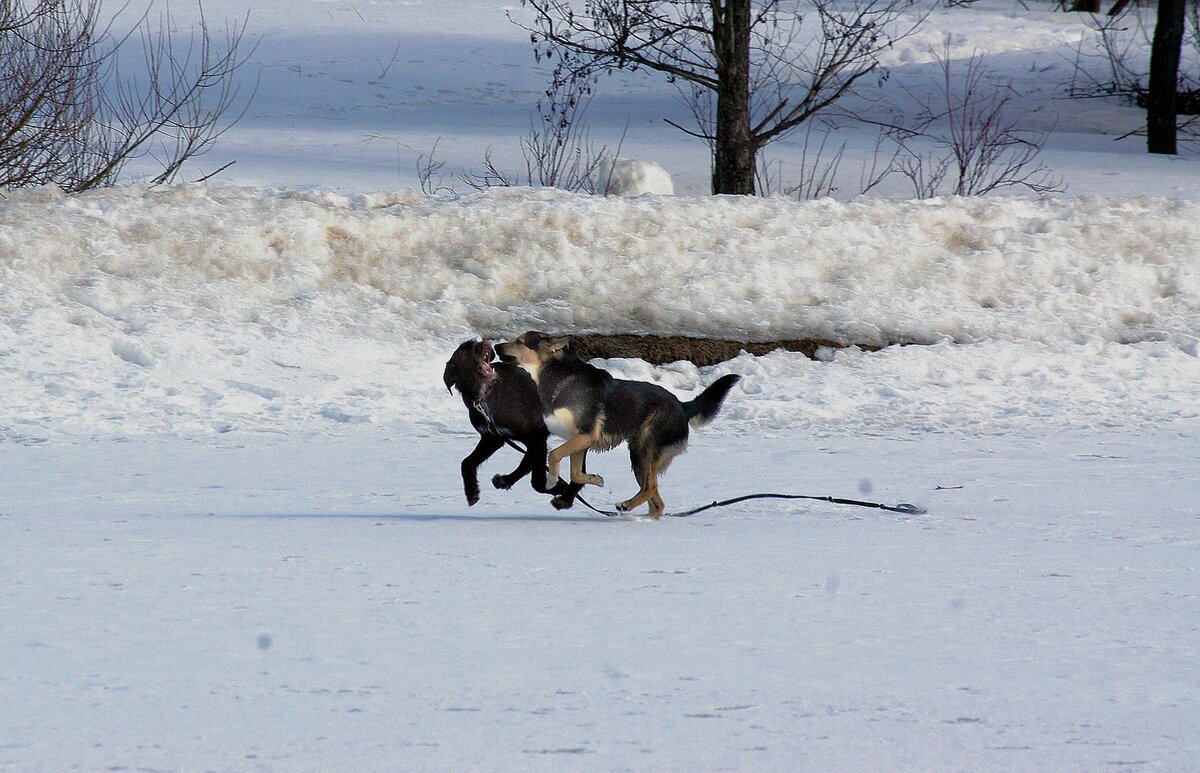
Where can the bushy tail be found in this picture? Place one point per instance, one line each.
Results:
(705, 408)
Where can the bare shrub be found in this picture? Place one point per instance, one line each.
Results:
(820, 167)
(558, 151)
(429, 172)
(69, 117)
(977, 146)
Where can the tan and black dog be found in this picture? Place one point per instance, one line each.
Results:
(593, 410)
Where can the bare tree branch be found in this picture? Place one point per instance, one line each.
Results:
(69, 117)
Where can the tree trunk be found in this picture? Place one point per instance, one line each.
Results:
(734, 147)
(1164, 76)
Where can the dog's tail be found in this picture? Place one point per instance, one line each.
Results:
(705, 408)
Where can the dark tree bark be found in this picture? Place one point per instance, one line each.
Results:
(734, 145)
(1164, 77)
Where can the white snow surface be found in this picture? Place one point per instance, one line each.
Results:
(234, 531)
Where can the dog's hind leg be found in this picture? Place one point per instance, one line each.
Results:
(647, 477)
(576, 445)
(642, 497)
(488, 445)
(579, 473)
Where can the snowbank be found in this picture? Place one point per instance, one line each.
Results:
(207, 309)
(957, 269)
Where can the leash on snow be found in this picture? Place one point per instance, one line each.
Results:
(902, 507)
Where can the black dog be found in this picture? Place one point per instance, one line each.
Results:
(503, 404)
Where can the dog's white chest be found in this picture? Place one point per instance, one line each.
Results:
(561, 423)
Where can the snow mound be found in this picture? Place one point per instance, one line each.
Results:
(627, 177)
(192, 310)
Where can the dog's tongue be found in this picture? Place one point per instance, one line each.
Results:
(487, 369)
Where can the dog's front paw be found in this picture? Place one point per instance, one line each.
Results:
(502, 482)
(624, 507)
(589, 480)
(562, 502)
(472, 497)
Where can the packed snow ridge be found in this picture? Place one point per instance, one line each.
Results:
(758, 269)
(196, 309)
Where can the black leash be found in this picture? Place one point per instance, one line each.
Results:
(902, 507)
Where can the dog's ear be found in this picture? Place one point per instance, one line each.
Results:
(558, 344)
(451, 375)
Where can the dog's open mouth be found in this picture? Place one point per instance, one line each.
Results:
(486, 353)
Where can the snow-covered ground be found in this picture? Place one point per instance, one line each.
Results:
(234, 532)
(268, 602)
